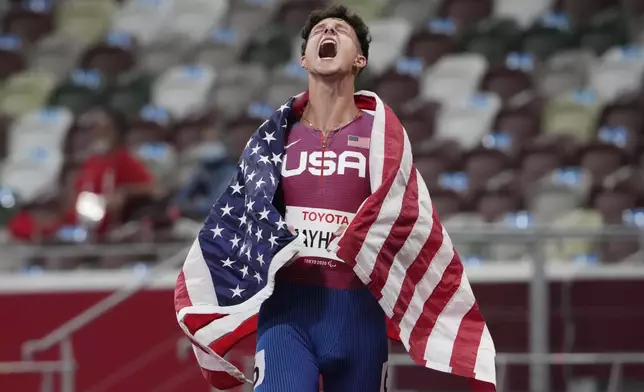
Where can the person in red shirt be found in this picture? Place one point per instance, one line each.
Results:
(110, 171)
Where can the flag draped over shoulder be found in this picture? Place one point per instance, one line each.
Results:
(395, 244)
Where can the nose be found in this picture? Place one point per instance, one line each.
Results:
(329, 30)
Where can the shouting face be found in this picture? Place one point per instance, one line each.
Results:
(333, 49)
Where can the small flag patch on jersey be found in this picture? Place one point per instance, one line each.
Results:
(358, 141)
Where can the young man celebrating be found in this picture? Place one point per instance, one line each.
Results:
(335, 168)
(321, 319)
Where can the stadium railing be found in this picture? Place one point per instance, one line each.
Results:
(536, 272)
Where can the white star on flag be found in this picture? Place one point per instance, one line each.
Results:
(237, 291)
(277, 158)
(242, 220)
(235, 241)
(264, 214)
(272, 239)
(226, 210)
(281, 224)
(269, 137)
(237, 188)
(251, 175)
(264, 159)
(259, 183)
(244, 271)
(255, 150)
(258, 277)
(216, 231)
(250, 204)
(258, 234)
(228, 262)
(260, 259)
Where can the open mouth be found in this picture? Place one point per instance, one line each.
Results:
(328, 49)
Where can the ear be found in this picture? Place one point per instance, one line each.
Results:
(303, 62)
(360, 62)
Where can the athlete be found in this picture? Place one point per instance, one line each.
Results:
(321, 320)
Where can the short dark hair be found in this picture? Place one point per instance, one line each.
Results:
(339, 12)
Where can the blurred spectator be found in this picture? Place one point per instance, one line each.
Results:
(210, 180)
(111, 178)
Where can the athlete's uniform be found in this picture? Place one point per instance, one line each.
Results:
(321, 319)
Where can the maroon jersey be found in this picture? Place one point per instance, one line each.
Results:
(324, 183)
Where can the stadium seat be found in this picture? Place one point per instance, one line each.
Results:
(33, 175)
(183, 90)
(538, 159)
(454, 78)
(44, 128)
(389, 38)
(248, 16)
(80, 92)
(581, 11)
(467, 122)
(85, 20)
(544, 41)
(12, 57)
(270, 46)
(447, 204)
(619, 72)
(419, 122)
(194, 18)
(415, 11)
(221, 48)
(28, 22)
(367, 9)
(144, 19)
(493, 38)
(623, 114)
(397, 88)
(293, 14)
(237, 86)
(286, 81)
(430, 46)
(466, 13)
(237, 132)
(525, 12)
(557, 193)
(36, 152)
(507, 82)
(160, 55)
(601, 160)
(569, 250)
(57, 54)
(113, 56)
(147, 137)
(521, 125)
(26, 91)
(130, 92)
(564, 71)
(575, 113)
(483, 164)
(604, 31)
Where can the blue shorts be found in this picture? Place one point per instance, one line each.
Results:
(308, 331)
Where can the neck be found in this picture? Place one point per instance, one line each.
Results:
(331, 103)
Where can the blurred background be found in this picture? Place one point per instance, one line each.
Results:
(121, 122)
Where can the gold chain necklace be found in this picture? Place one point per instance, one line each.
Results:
(332, 129)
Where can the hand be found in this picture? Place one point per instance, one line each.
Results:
(115, 201)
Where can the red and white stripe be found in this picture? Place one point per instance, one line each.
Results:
(405, 256)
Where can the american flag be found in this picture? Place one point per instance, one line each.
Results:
(395, 244)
